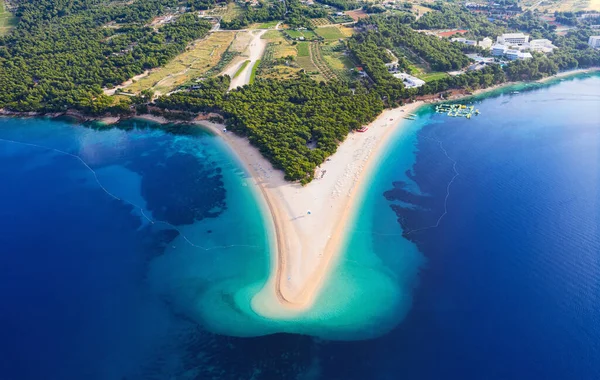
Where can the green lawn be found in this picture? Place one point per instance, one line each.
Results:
(268, 25)
(303, 49)
(294, 33)
(432, 76)
(253, 73)
(308, 35)
(242, 67)
(329, 33)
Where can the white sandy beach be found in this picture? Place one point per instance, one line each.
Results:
(308, 222)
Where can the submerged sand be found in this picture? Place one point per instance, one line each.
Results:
(308, 221)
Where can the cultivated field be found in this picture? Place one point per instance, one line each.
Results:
(303, 49)
(193, 63)
(278, 47)
(308, 35)
(282, 47)
(335, 56)
(330, 32)
(317, 22)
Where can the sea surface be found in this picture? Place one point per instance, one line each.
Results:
(489, 226)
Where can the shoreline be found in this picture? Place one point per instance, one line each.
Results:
(308, 221)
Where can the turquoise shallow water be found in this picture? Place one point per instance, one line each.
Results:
(91, 288)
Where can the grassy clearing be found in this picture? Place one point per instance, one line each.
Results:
(266, 25)
(280, 46)
(347, 31)
(253, 73)
(193, 63)
(232, 12)
(7, 20)
(302, 48)
(308, 35)
(330, 33)
(428, 77)
(242, 67)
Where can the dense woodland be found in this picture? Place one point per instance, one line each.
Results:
(392, 32)
(454, 16)
(294, 13)
(62, 53)
(296, 124)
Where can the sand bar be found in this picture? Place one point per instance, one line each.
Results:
(308, 221)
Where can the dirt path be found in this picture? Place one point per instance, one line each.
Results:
(255, 51)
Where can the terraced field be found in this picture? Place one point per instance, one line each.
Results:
(196, 61)
(334, 54)
(319, 62)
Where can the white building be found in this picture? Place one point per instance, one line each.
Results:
(514, 54)
(465, 41)
(409, 80)
(511, 39)
(486, 43)
(594, 42)
(499, 49)
(541, 45)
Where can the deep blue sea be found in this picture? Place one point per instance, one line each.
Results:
(505, 209)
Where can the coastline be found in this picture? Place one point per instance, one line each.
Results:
(308, 222)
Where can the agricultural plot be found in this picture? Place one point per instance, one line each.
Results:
(275, 62)
(318, 22)
(357, 14)
(330, 33)
(303, 49)
(335, 56)
(232, 12)
(193, 63)
(319, 62)
(307, 35)
(280, 46)
(7, 20)
(347, 31)
(341, 19)
(309, 68)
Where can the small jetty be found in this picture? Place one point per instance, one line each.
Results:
(457, 110)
